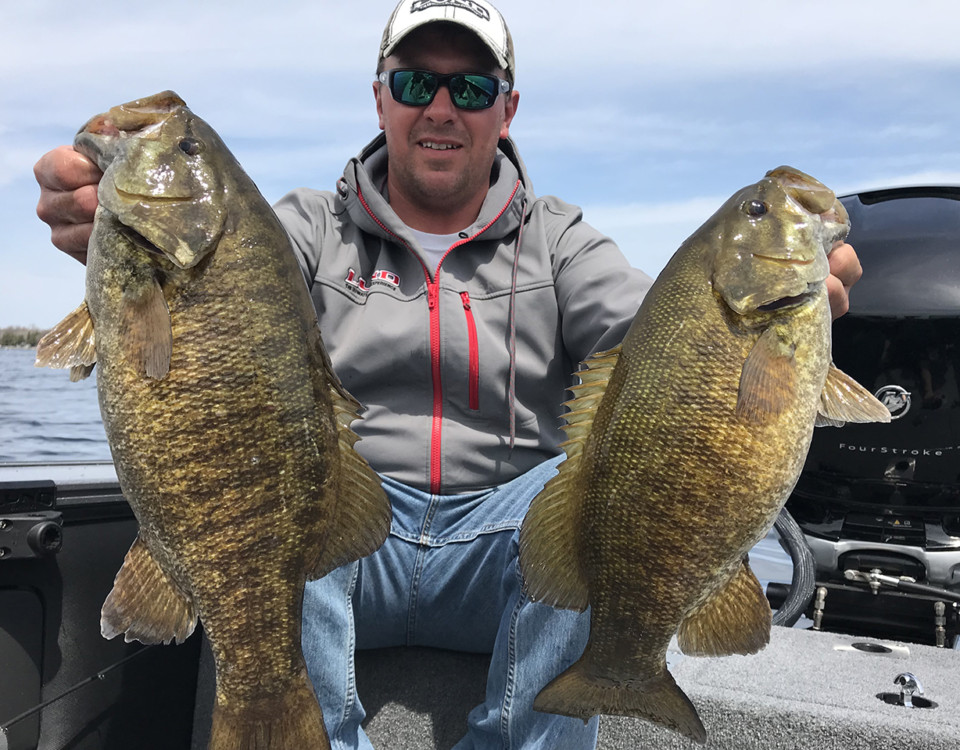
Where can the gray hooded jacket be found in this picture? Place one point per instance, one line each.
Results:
(462, 368)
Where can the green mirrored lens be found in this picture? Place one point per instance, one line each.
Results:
(414, 87)
(473, 91)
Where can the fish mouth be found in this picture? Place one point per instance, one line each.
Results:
(141, 198)
(792, 301)
(787, 261)
(140, 241)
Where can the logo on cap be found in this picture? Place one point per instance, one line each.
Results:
(896, 399)
(475, 8)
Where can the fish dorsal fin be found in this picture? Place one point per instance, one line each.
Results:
(362, 512)
(145, 604)
(594, 377)
(735, 619)
(549, 547)
(70, 343)
(844, 400)
(768, 377)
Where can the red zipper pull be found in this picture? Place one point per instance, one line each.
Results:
(474, 353)
(433, 292)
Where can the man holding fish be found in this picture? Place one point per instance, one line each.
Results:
(454, 305)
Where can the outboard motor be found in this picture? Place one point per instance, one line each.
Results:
(880, 503)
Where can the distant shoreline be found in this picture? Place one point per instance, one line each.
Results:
(20, 337)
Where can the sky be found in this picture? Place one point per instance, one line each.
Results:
(648, 115)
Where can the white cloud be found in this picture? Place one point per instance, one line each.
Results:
(909, 179)
(649, 233)
(709, 38)
(647, 113)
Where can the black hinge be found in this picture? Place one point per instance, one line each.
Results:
(30, 535)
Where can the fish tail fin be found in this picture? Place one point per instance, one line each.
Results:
(289, 721)
(581, 694)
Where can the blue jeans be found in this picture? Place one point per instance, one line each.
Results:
(447, 577)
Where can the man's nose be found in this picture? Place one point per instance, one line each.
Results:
(441, 109)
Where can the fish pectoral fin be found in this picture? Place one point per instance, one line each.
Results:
(146, 331)
(768, 377)
(844, 400)
(71, 344)
(145, 604)
(736, 619)
(362, 512)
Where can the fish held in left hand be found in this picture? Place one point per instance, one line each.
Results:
(683, 445)
(228, 427)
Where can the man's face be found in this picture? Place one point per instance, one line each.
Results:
(440, 156)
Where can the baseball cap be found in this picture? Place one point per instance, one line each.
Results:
(478, 16)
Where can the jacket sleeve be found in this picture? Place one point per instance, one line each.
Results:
(598, 291)
(305, 214)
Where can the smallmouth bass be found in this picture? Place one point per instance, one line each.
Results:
(683, 444)
(228, 427)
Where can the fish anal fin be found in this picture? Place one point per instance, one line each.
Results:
(146, 333)
(70, 344)
(844, 400)
(145, 604)
(736, 619)
(362, 511)
(768, 378)
(580, 693)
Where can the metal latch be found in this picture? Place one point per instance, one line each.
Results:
(909, 686)
(30, 535)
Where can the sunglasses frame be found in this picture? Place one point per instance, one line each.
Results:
(443, 79)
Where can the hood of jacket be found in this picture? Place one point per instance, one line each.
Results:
(363, 191)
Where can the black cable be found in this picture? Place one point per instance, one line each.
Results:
(804, 580)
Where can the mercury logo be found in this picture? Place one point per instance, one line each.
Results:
(896, 399)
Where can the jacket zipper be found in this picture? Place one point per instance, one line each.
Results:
(436, 431)
(474, 377)
(433, 302)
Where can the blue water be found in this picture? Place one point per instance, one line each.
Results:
(45, 417)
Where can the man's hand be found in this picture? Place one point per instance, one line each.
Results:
(845, 271)
(68, 198)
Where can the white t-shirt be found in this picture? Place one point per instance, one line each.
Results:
(436, 245)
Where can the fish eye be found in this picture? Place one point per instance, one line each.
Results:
(755, 209)
(190, 146)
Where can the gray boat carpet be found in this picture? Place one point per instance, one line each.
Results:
(805, 691)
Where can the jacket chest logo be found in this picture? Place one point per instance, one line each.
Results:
(357, 283)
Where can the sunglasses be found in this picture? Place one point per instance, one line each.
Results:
(467, 90)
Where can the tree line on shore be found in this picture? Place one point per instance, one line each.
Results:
(20, 336)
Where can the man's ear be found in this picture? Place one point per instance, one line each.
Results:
(510, 110)
(377, 88)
